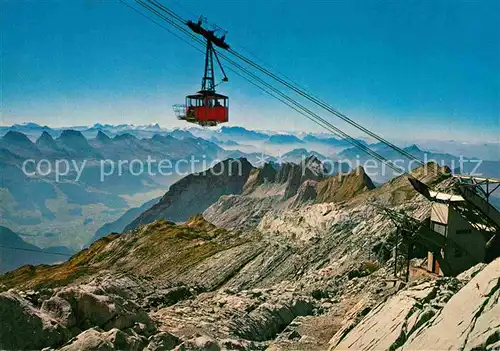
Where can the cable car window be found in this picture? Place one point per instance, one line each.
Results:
(440, 228)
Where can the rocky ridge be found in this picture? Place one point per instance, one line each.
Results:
(195, 192)
(270, 190)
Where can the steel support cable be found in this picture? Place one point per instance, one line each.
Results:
(167, 10)
(34, 250)
(314, 117)
(317, 117)
(331, 128)
(160, 25)
(242, 48)
(301, 91)
(324, 105)
(229, 68)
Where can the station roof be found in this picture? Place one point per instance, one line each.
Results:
(445, 197)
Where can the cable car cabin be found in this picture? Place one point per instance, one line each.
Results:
(204, 108)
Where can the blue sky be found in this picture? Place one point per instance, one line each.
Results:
(406, 69)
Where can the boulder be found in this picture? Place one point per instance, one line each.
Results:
(270, 318)
(60, 309)
(129, 340)
(199, 343)
(91, 339)
(22, 326)
(167, 297)
(162, 341)
(87, 309)
(238, 344)
(97, 339)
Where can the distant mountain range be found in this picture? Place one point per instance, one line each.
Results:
(15, 252)
(484, 150)
(284, 139)
(228, 136)
(330, 141)
(469, 165)
(41, 203)
(72, 143)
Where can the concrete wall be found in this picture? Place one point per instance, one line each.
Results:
(470, 240)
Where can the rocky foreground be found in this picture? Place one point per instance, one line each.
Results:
(123, 312)
(309, 268)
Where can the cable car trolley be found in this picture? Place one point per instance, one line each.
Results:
(206, 107)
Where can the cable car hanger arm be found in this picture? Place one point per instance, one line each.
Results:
(225, 79)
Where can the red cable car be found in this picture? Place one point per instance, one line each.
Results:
(206, 107)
